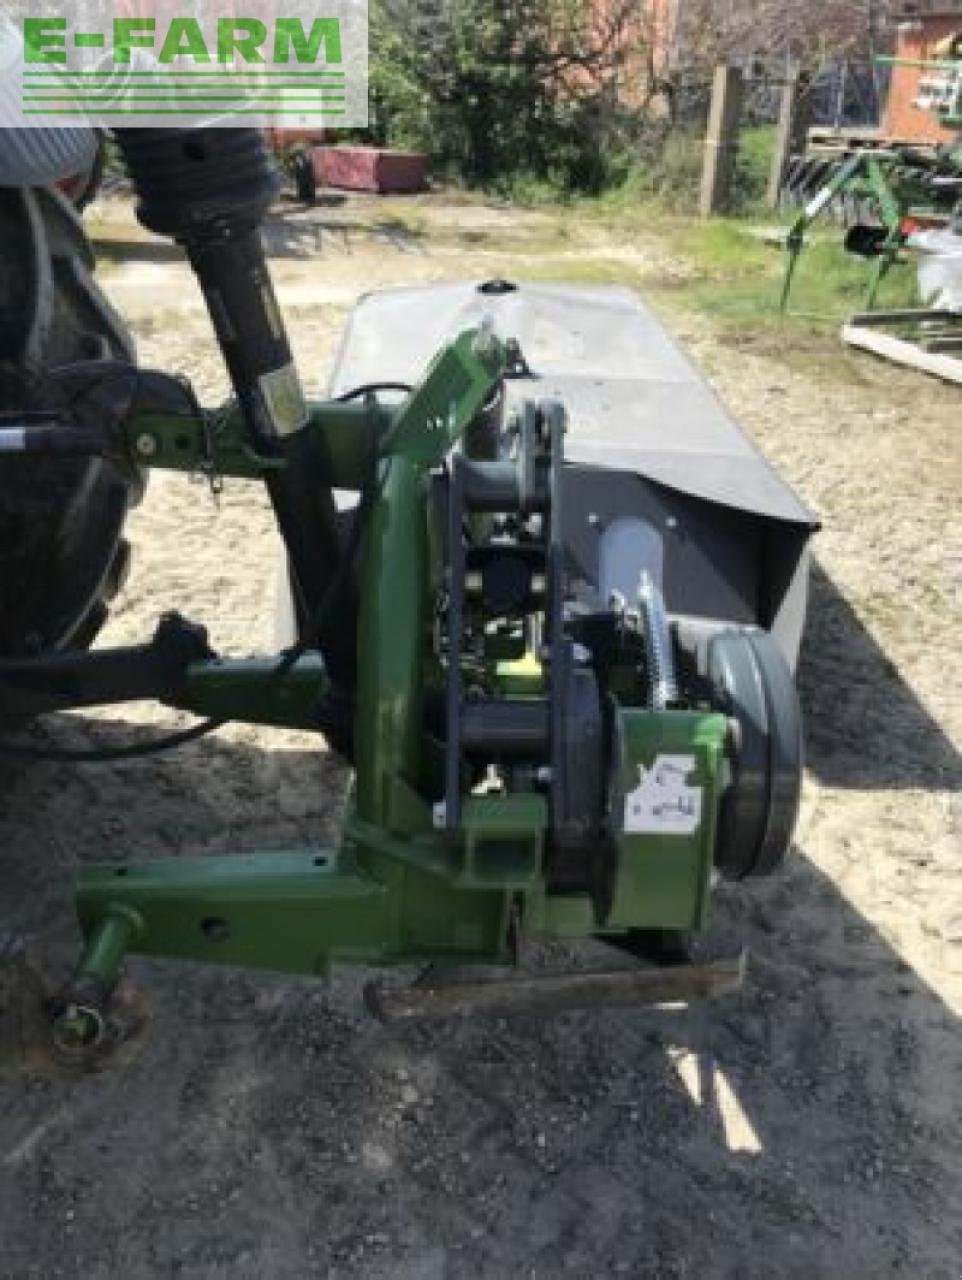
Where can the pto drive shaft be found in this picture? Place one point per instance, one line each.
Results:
(209, 189)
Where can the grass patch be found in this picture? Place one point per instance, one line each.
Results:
(722, 268)
(753, 166)
(664, 181)
(404, 219)
(586, 271)
(738, 278)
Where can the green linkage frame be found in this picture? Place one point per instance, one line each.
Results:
(396, 888)
(298, 911)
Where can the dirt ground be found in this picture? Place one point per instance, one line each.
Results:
(809, 1127)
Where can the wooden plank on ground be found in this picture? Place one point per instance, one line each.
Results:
(902, 352)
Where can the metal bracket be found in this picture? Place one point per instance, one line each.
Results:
(548, 995)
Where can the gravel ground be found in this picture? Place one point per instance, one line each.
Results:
(809, 1127)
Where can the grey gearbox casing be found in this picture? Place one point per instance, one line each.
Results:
(658, 474)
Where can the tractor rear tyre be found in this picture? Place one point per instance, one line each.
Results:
(62, 554)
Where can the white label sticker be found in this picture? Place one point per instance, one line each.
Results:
(284, 398)
(663, 803)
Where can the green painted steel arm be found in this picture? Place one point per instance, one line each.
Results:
(892, 202)
(795, 238)
(458, 383)
(215, 442)
(349, 435)
(256, 691)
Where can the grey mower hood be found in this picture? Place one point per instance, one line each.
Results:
(635, 401)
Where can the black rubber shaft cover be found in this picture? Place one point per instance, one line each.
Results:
(189, 180)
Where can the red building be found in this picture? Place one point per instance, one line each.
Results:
(663, 32)
(647, 35)
(921, 28)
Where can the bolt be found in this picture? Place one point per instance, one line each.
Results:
(77, 1027)
(671, 523)
(473, 583)
(146, 445)
(544, 776)
(594, 520)
(539, 584)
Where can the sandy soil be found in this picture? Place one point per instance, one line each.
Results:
(809, 1127)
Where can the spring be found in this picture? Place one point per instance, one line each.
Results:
(662, 680)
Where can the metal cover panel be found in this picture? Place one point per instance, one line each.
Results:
(635, 400)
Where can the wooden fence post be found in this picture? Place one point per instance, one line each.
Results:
(790, 132)
(721, 141)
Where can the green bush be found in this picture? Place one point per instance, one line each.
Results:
(756, 149)
(663, 168)
(666, 166)
(521, 97)
(503, 94)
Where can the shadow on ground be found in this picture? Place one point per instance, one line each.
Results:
(299, 235)
(865, 727)
(287, 233)
(269, 1128)
(807, 1127)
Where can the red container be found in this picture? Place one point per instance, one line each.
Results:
(370, 169)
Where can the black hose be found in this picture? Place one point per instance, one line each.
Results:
(104, 755)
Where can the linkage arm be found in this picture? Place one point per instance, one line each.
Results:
(178, 668)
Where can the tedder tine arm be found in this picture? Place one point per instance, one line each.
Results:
(795, 238)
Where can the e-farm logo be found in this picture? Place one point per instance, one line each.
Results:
(293, 63)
